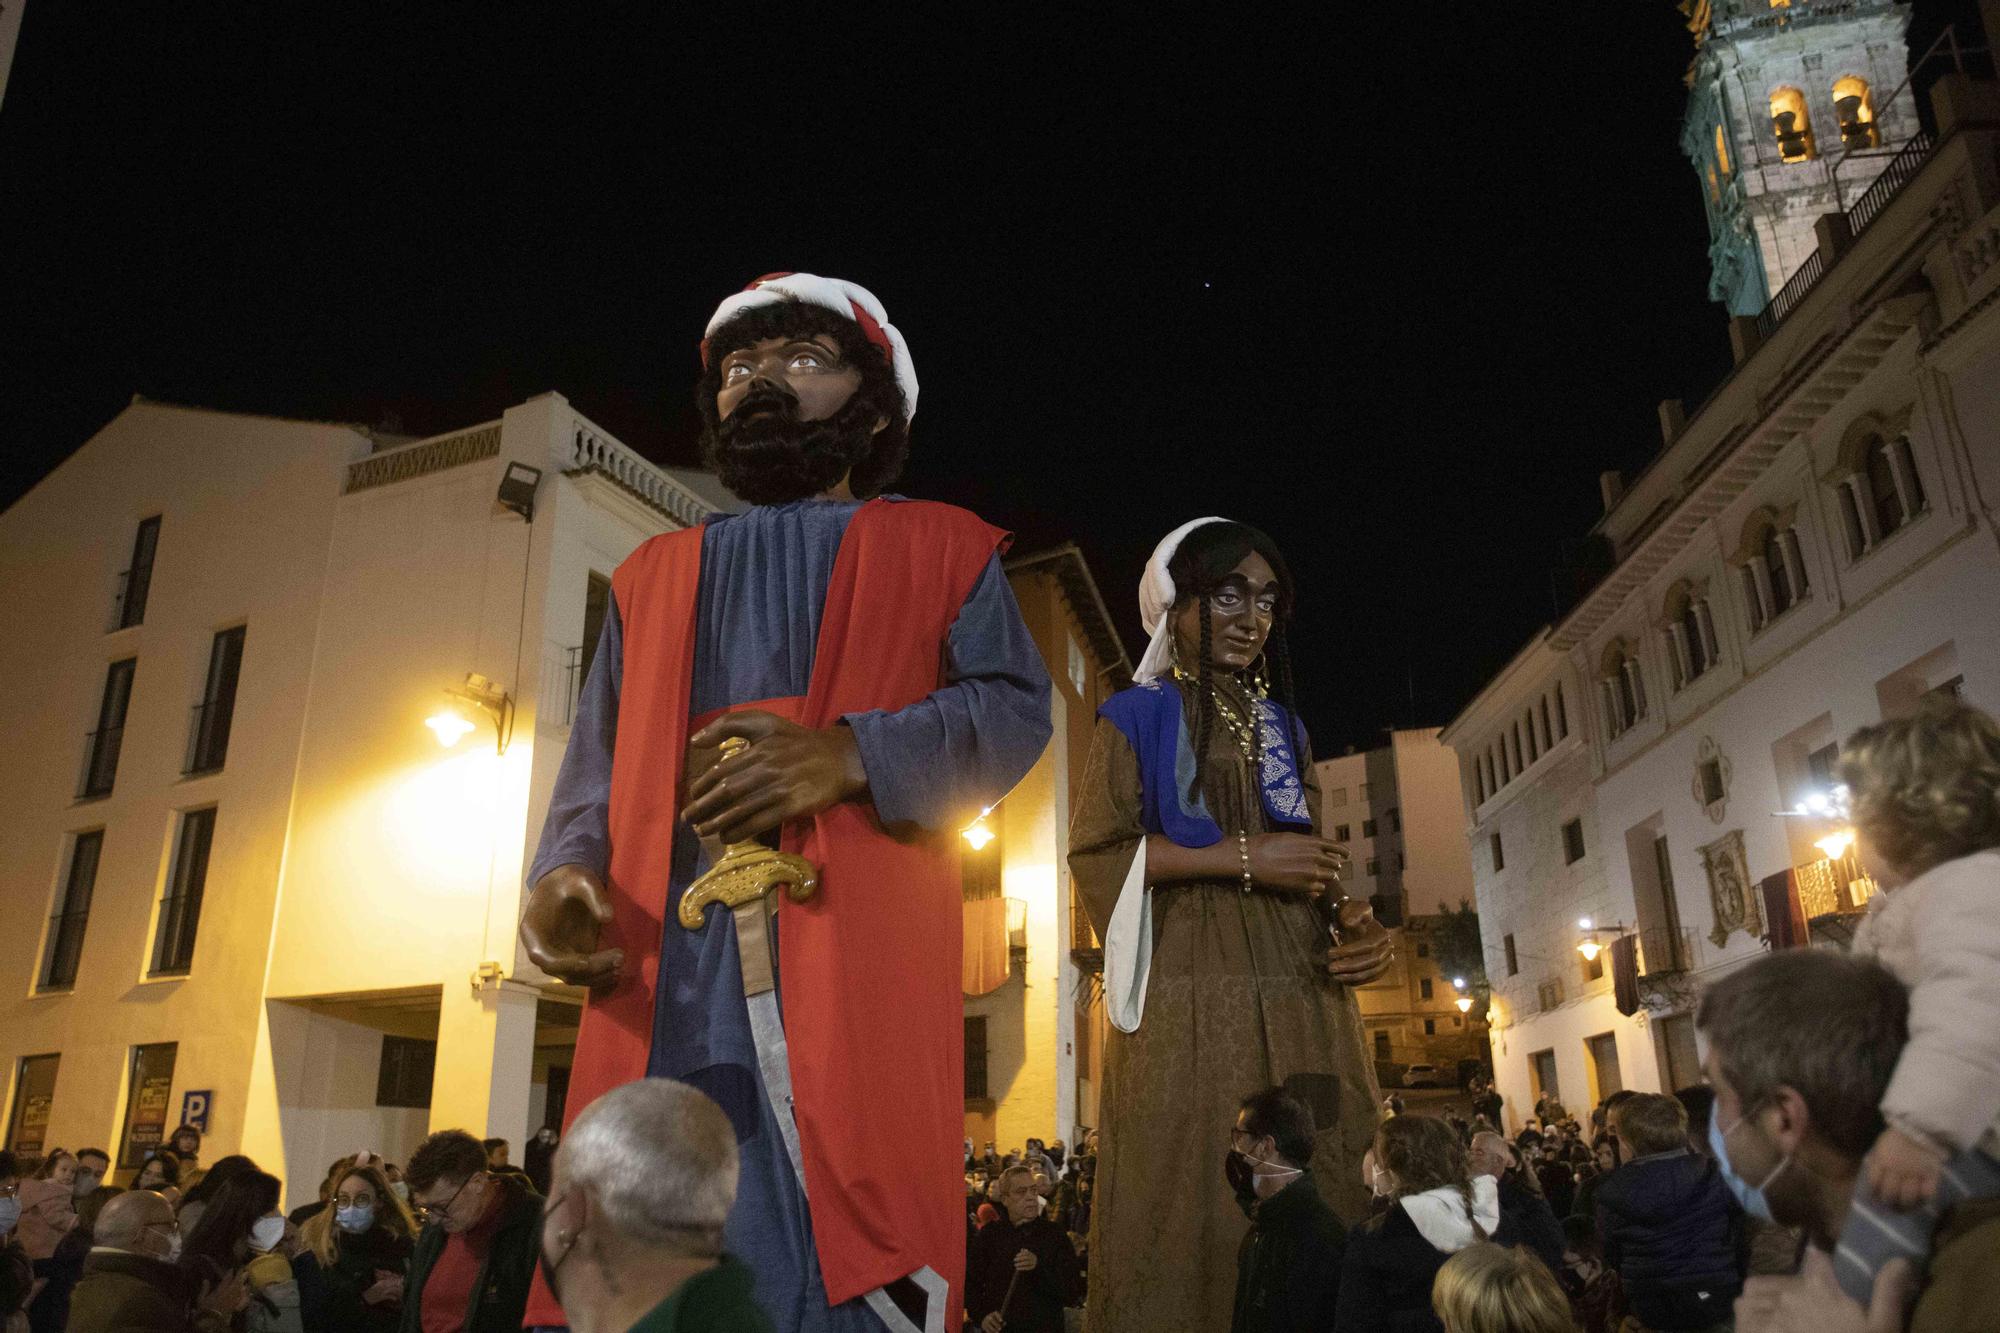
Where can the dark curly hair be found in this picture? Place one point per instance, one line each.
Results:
(879, 461)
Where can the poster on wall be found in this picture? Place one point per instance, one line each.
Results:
(146, 1104)
(34, 1096)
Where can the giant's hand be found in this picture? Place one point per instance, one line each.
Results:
(789, 772)
(1364, 952)
(566, 909)
(1296, 861)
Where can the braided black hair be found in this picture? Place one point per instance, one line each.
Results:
(1204, 718)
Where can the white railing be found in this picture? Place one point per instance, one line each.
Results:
(586, 449)
(424, 457)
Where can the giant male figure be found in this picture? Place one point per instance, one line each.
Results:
(870, 652)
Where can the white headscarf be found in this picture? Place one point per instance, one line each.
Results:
(1156, 599)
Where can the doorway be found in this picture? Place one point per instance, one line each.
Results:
(1604, 1073)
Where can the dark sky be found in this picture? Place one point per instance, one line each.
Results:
(1396, 287)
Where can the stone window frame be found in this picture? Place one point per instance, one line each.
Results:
(1770, 529)
(1621, 687)
(1875, 438)
(1687, 625)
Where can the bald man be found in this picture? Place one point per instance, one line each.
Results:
(131, 1283)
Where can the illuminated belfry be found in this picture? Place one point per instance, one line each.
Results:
(1794, 107)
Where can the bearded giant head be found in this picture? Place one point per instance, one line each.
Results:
(804, 384)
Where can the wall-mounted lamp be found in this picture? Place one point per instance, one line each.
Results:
(517, 489)
(978, 832)
(1590, 948)
(450, 725)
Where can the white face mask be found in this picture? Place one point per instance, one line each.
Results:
(265, 1233)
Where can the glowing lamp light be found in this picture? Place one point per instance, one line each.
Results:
(1464, 1003)
(1583, 923)
(449, 726)
(1835, 845)
(978, 834)
(1590, 949)
(1458, 983)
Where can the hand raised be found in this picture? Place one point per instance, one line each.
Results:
(566, 910)
(788, 772)
(1296, 861)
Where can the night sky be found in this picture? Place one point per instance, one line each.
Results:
(1395, 288)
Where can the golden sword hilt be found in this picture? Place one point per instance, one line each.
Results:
(746, 872)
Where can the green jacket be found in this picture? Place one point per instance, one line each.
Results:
(716, 1300)
(500, 1296)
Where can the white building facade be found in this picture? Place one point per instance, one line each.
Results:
(1813, 550)
(242, 881)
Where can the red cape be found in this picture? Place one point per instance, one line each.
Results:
(873, 1013)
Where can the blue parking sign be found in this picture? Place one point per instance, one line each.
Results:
(194, 1108)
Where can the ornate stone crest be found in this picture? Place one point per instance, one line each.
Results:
(1730, 891)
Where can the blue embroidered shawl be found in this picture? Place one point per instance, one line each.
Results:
(1151, 719)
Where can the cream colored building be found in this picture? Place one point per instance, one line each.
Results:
(246, 871)
(1035, 1043)
(1398, 810)
(1813, 549)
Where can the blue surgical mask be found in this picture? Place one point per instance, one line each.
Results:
(1750, 1196)
(355, 1219)
(10, 1215)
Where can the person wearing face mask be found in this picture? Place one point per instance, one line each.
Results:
(642, 1251)
(59, 1274)
(133, 1282)
(1801, 1046)
(1288, 1268)
(242, 1231)
(1022, 1270)
(16, 1272)
(356, 1250)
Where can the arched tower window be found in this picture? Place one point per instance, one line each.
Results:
(1855, 106)
(1791, 125)
(1721, 152)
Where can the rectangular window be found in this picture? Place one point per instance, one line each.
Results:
(208, 736)
(1499, 856)
(1395, 815)
(1513, 959)
(407, 1069)
(1399, 861)
(1424, 951)
(1430, 1027)
(1711, 781)
(34, 1096)
(180, 909)
(1820, 764)
(1424, 989)
(1340, 832)
(1381, 1044)
(1337, 796)
(1572, 842)
(147, 1094)
(1374, 866)
(1364, 791)
(1542, 1064)
(1562, 713)
(100, 768)
(975, 1058)
(137, 580)
(1367, 828)
(72, 912)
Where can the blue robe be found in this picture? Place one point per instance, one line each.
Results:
(764, 577)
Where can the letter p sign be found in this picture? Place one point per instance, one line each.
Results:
(194, 1109)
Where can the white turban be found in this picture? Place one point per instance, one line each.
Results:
(1156, 599)
(846, 299)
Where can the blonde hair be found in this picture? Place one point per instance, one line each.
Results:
(1925, 789)
(322, 1237)
(1486, 1289)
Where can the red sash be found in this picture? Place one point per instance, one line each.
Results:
(873, 1013)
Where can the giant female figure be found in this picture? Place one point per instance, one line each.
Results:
(1229, 952)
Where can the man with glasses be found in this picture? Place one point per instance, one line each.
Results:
(476, 1254)
(1288, 1266)
(131, 1283)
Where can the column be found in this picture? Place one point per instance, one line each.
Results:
(485, 1059)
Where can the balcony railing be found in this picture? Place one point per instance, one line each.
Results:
(128, 607)
(100, 762)
(208, 736)
(1793, 292)
(1902, 169)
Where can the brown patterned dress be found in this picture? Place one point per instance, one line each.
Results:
(1238, 1000)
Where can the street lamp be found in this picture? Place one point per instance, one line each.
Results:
(1589, 947)
(1464, 1001)
(450, 726)
(978, 833)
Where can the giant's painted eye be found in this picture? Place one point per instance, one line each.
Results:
(808, 361)
(735, 371)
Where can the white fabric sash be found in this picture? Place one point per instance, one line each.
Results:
(1128, 947)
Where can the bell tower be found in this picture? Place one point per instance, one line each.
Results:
(1794, 107)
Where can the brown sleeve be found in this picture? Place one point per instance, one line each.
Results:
(1106, 829)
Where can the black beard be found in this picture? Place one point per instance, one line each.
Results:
(772, 457)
